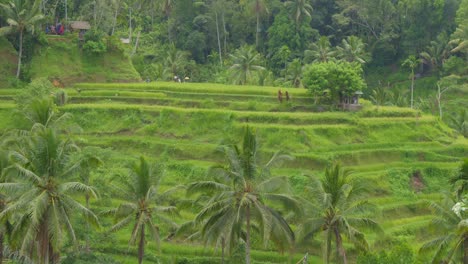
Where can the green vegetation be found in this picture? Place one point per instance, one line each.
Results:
(405, 157)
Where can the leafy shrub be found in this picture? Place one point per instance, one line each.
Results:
(94, 47)
(61, 97)
(40, 87)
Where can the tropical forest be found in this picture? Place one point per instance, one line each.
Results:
(233, 131)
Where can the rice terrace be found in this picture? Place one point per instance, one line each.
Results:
(214, 131)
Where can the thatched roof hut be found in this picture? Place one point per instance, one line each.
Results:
(80, 25)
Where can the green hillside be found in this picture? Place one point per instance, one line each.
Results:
(8, 62)
(406, 156)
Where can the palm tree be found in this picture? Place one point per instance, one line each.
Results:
(458, 121)
(142, 203)
(411, 62)
(3, 199)
(460, 180)
(238, 200)
(335, 210)
(450, 220)
(436, 53)
(245, 62)
(41, 197)
(259, 8)
(321, 51)
(175, 61)
(460, 38)
(299, 9)
(21, 16)
(294, 72)
(352, 49)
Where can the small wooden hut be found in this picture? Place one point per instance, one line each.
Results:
(81, 27)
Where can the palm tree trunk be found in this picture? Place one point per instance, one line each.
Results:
(339, 245)
(224, 33)
(247, 235)
(141, 245)
(412, 88)
(44, 242)
(223, 244)
(1, 247)
(257, 35)
(114, 23)
(87, 248)
(20, 54)
(465, 249)
(219, 40)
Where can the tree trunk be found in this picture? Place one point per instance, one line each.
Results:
(224, 33)
(1, 247)
(87, 247)
(130, 24)
(219, 40)
(141, 245)
(247, 235)
(223, 245)
(339, 245)
(20, 53)
(114, 23)
(465, 249)
(44, 244)
(412, 88)
(257, 35)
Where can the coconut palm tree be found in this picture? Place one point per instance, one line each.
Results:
(299, 9)
(175, 61)
(451, 244)
(460, 38)
(460, 180)
(246, 61)
(436, 53)
(22, 16)
(260, 8)
(238, 200)
(320, 51)
(42, 199)
(411, 62)
(335, 209)
(143, 203)
(352, 49)
(294, 72)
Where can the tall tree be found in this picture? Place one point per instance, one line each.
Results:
(320, 51)
(335, 209)
(245, 61)
(239, 199)
(299, 9)
(43, 199)
(352, 49)
(411, 62)
(143, 204)
(22, 16)
(451, 244)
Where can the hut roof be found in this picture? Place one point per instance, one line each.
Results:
(80, 25)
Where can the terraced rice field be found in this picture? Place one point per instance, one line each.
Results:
(183, 124)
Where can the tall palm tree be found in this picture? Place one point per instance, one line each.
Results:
(22, 16)
(239, 199)
(299, 10)
(352, 49)
(42, 198)
(436, 53)
(245, 61)
(411, 62)
(336, 209)
(143, 203)
(460, 38)
(260, 8)
(320, 51)
(451, 244)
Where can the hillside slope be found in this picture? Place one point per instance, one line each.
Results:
(8, 61)
(62, 60)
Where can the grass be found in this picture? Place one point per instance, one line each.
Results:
(183, 124)
(63, 60)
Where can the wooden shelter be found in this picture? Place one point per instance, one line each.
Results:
(79, 25)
